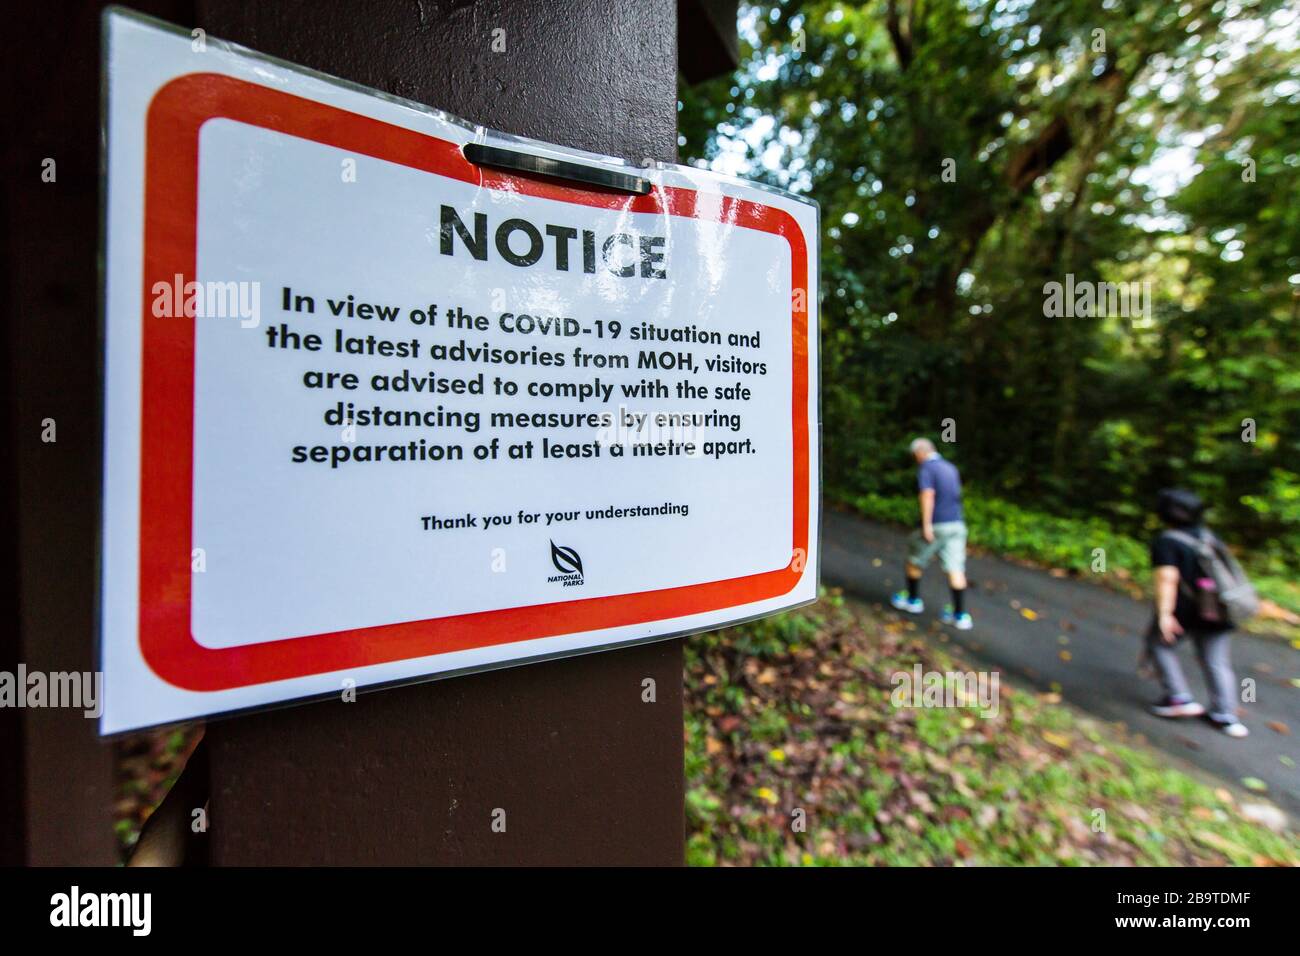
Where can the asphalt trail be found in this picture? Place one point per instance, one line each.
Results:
(1100, 629)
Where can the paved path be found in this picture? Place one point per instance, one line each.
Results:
(1103, 630)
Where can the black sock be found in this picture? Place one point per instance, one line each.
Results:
(913, 588)
(958, 600)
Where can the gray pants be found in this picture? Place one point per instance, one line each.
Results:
(1212, 651)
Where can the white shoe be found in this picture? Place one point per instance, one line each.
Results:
(1233, 728)
(962, 621)
(902, 602)
(1172, 708)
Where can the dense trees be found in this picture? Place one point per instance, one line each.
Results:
(967, 154)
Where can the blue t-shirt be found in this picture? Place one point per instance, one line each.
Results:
(941, 476)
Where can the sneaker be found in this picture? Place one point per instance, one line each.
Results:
(1173, 707)
(1233, 728)
(962, 621)
(902, 602)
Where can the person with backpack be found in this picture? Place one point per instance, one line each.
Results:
(1201, 592)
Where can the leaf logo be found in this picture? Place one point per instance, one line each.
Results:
(566, 560)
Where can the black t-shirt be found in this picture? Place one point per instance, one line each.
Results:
(1167, 550)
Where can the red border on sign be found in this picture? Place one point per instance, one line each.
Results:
(176, 115)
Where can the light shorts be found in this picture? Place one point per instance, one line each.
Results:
(949, 544)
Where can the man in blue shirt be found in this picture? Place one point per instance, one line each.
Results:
(942, 532)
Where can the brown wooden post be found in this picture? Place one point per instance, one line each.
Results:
(585, 771)
(56, 776)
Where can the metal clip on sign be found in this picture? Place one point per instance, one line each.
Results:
(515, 160)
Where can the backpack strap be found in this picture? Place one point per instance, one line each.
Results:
(1216, 546)
(1197, 544)
(1186, 537)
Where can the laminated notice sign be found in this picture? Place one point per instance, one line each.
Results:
(390, 396)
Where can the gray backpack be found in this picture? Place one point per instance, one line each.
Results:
(1222, 592)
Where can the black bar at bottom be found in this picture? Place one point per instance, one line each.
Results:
(1009, 906)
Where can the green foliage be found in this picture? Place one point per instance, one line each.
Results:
(1006, 528)
(967, 154)
(1063, 542)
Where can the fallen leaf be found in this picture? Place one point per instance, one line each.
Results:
(1057, 740)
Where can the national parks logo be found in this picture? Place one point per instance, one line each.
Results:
(569, 563)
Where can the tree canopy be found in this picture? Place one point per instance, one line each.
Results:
(966, 155)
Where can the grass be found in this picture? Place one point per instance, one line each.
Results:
(146, 767)
(797, 756)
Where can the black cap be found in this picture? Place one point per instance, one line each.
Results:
(1179, 506)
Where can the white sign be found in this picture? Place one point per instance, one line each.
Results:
(376, 413)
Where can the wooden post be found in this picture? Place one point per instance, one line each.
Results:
(56, 788)
(583, 770)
